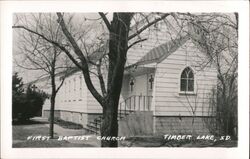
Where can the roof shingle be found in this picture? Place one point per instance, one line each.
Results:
(162, 51)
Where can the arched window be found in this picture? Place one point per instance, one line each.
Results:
(187, 80)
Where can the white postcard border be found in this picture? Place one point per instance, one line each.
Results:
(7, 8)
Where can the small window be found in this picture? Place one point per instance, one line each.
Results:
(132, 83)
(80, 88)
(65, 87)
(74, 80)
(80, 79)
(69, 86)
(187, 80)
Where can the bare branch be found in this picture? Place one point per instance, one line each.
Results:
(102, 83)
(148, 25)
(30, 68)
(105, 20)
(70, 38)
(60, 85)
(84, 67)
(136, 42)
(94, 73)
(53, 42)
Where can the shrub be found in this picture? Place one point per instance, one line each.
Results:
(25, 105)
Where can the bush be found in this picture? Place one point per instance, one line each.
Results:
(25, 105)
(224, 101)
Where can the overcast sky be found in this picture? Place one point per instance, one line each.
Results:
(30, 75)
(88, 20)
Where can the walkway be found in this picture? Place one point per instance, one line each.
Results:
(60, 131)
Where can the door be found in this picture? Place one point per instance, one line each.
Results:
(141, 92)
(141, 85)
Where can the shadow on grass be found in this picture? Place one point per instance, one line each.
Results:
(28, 122)
(67, 124)
(20, 134)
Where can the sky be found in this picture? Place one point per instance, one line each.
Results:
(89, 20)
(30, 75)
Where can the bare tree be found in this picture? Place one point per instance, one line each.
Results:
(218, 37)
(119, 35)
(216, 34)
(39, 55)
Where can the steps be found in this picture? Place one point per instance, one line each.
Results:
(127, 107)
(95, 125)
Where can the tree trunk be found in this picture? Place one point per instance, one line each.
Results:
(118, 45)
(52, 106)
(51, 122)
(109, 125)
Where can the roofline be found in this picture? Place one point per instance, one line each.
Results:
(160, 59)
(182, 42)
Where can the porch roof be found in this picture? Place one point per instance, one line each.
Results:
(139, 70)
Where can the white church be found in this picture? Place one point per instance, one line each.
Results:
(167, 88)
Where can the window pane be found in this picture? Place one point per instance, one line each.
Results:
(183, 84)
(187, 80)
(191, 85)
(184, 74)
(191, 75)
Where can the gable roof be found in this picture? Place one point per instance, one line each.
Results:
(162, 51)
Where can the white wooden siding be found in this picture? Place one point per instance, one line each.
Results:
(45, 85)
(71, 98)
(92, 105)
(168, 100)
(68, 97)
(125, 92)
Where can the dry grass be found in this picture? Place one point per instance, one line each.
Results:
(68, 124)
(158, 141)
(21, 132)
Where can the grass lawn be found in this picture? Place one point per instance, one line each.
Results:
(158, 141)
(21, 132)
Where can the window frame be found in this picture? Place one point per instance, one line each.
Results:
(74, 84)
(80, 85)
(194, 85)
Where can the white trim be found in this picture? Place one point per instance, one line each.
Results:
(179, 82)
(154, 98)
(187, 92)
